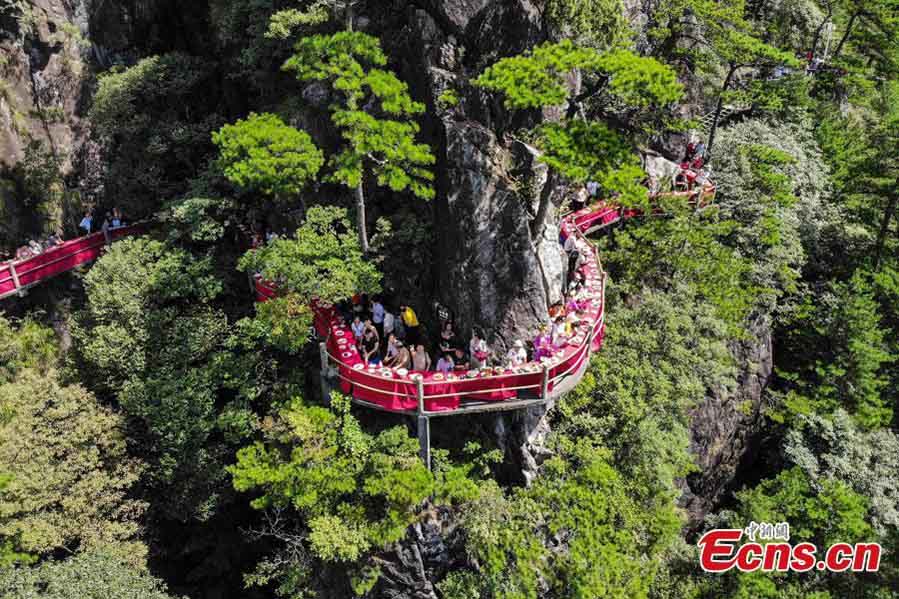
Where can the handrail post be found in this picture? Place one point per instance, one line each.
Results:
(544, 385)
(15, 279)
(420, 392)
(424, 425)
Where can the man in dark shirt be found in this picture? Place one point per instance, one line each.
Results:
(460, 360)
(370, 346)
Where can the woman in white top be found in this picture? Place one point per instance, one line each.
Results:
(560, 333)
(477, 350)
(517, 356)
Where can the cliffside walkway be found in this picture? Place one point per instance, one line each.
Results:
(427, 395)
(17, 276)
(424, 395)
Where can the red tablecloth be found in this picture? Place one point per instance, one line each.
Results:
(498, 387)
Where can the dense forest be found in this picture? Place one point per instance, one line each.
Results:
(163, 435)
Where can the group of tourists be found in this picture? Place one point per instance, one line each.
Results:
(111, 220)
(35, 247)
(394, 338)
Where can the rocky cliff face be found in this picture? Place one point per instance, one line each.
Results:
(43, 75)
(723, 426)
(490, 269)
(41, 59)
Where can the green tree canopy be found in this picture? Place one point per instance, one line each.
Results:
(581, 150)
(151, 338)
(322, 261)
(154, 120)
(584, 151)
(25, 345)
(91, 575)
(598, 23)
(72, 492)
(345, 493)
(261, 153)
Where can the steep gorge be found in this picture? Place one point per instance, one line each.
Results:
(488, 268)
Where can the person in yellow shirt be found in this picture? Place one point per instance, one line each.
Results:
(410, 321)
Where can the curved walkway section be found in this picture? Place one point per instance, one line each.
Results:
(17, 276)
(487, 389)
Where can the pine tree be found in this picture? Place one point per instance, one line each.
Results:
(374, 115)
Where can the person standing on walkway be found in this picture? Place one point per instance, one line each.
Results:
(377, 316)
(86, 222)
(411, 324)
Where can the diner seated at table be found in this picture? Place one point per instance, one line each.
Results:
(420, 359)
(86, 222)
(556, 309)
(391, 350)
(543, 344)
(23, 253)
(52, 241)
(445, 363)
(574, 304)
(369, 326)
(577, 282)
(560, 332)
(403, 357)
(517, 355)
(117, 220)
(370, 346)
(460, 360)
(478, 351)
(572, 320)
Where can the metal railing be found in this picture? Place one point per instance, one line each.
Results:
(545, 383)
